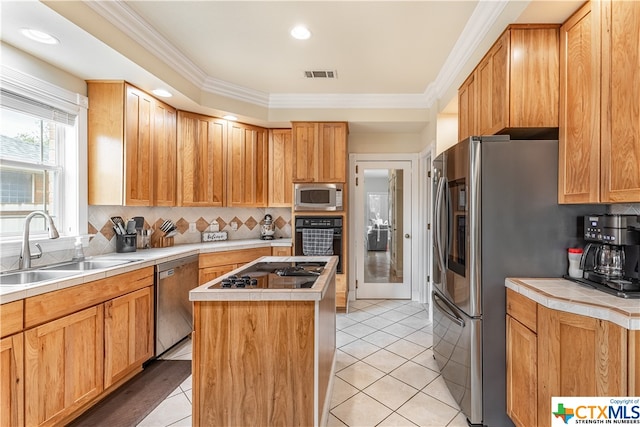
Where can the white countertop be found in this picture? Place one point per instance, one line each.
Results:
(315, 293)
(568, 296)
(143, 257)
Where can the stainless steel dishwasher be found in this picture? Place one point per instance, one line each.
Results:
(174, 311)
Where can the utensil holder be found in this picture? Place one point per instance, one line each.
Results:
(126, 243)
(159, 241)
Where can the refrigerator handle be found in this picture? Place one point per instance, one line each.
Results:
(438, 225)
(447, 310)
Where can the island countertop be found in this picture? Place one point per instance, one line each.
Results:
(315, 293)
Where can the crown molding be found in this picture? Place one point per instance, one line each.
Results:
(133, 25)
(482, 19)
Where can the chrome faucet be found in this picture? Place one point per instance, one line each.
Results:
(25, 254)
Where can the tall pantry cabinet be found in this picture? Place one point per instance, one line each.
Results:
(599, 157)
(131, 146)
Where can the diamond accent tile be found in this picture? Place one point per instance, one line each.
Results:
(221, 222)
(280, 222)
(236, 220)
(201, 224)
(107, 230)
(182, 225)
(251, 223)
(91, 229)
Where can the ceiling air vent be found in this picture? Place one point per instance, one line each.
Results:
(320, 74)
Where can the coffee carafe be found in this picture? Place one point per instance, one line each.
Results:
(610, 260)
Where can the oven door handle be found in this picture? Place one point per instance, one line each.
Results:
(447, 310)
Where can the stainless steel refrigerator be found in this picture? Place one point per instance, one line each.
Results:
(496, 215)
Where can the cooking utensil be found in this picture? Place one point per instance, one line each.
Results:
(131, 227)
(119, 222)
(139, 222)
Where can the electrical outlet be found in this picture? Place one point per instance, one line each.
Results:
(192, 227)
(234, 226)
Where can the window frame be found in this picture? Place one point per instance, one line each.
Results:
(73, 211)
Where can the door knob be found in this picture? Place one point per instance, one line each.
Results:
(406, 236)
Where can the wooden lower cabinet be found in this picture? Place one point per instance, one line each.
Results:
(63, 366)
(565, 354)
(281, 251)
(579, 356)
(128, 334)
(12, 380)
(215, 264)
(634, 363)
(522, 378)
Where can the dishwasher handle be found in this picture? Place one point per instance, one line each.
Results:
(166, 273)
(170, 265)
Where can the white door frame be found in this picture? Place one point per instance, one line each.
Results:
(415, 224)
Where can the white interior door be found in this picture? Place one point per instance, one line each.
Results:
(383, 229)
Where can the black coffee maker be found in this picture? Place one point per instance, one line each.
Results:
(612, 255)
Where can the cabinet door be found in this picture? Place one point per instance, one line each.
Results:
(281, 251)
(202, 144)
(533, 78)
(620, 94)
(332, 152)
(522, 374)
(164, 160)
(467, 109)
(137, 141)
(493, 84)
(305, 149)
(207, 274)
(590, 354)
(12, 380)
(247, 164)
(579, 133)
(63, 366)
(128, 334)
(280, 168)
(634, 363)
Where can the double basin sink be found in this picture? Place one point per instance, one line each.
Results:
(59, 271)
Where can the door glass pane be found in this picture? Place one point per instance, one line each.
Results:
(382, 231)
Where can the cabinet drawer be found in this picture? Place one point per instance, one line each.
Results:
(242, 256)
(522, 309)
(52, 305)
(11, 318)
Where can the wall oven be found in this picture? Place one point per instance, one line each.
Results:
(317, 197)
(311, 223)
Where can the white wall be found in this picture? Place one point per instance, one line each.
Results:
(447, 131)
(385, 143)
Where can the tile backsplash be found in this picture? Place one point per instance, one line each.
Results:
(626, 209)
(103, 240)
(248, 222)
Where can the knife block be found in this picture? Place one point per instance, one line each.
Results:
(158, 241)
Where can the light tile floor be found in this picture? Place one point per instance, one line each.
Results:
(385, 372)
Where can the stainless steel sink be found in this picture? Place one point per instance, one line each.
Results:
(89, 265)
(33, 276)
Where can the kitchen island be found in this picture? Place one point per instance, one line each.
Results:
(264, 354)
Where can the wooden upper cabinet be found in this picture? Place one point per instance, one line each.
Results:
(128, 131)
(320, 151)
(517, 81)
(599, 156)
(305, 149)
(202, 144)
(280, 168)
(467, 111)
(165, 181)
(579, 136)
(620, 140)
(247, 164)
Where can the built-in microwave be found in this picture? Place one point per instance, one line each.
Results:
(318, 197)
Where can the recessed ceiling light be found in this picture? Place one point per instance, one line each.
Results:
(162, 93)
(39, 36)
(230, 117)
(300, 32)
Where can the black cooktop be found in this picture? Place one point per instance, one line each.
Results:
(274, 275)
